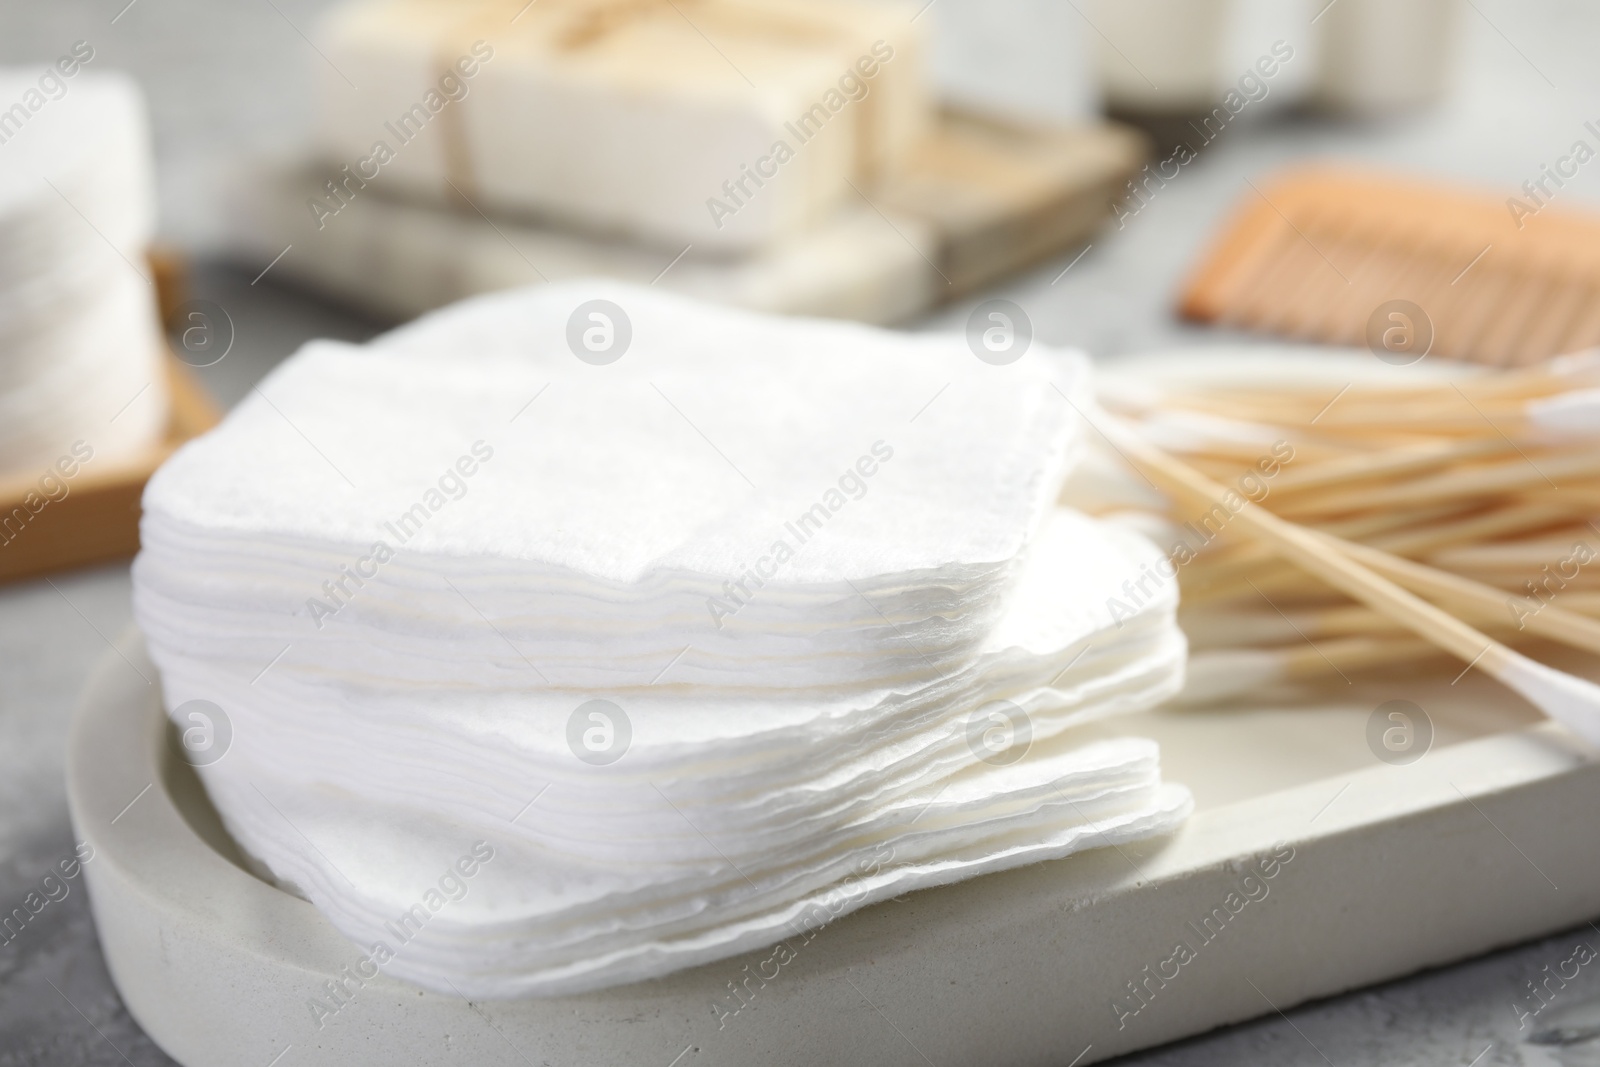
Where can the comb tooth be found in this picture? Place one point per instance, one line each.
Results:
(1365, 252)
(1234, 286)
(1306, 318)
(1436, 289)
(1415, 272)
(1553, 318)
(1454, 299)
(1375, 286)
(1294, 287)
(1497, 340)
(1399, 247)
(1450, 324)
(1268, 285)
(1350, 248)
(1459, 337)
(1303, 320)
(1585, 329)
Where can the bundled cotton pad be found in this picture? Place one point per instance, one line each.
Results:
(79, 341)
(764, 616)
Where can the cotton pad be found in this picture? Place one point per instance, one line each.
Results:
(674, 501)
(461, 592)
(763, 769)
(487, 945)
(79, 341)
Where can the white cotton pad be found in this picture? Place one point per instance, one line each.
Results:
(79, 341)
(492, 942)
(555, 922)
(887, 706)
(760, 768)
(639, 499)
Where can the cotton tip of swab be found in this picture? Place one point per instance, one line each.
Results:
(1213, 677)
(1571, 701)
(1566, 415)
(1582, 364)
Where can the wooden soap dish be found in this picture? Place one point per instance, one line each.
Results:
(1330, 254)
(1004, 196)
(98, 519)
(978, 200)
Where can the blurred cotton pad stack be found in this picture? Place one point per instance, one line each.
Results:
(699, 648)
(79, 341)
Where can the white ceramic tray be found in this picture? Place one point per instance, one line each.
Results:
(1489, 838)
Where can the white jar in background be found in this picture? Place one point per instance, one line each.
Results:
(1382, 55)
(1161, 56)
(1024, 59)
(1255, 27)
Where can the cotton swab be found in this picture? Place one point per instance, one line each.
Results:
(1572, 701)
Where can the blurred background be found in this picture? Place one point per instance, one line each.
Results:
(1082, 159)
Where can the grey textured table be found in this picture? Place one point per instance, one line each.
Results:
(229, 79)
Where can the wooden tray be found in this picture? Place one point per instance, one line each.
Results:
(99, 519)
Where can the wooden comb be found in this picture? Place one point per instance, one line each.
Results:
(1322, 253)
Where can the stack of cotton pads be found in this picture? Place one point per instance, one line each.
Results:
(549, 668)
(79, 340)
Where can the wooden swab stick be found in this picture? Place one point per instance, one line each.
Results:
(1365, 467)
(1513, 519)
(1525, 555)
(1570, 700)
(1236, 560)
(1230, 673)
(1555, 623)
(1212, 629)
(1225, 569)
(1515, 582)
(1280, 584)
